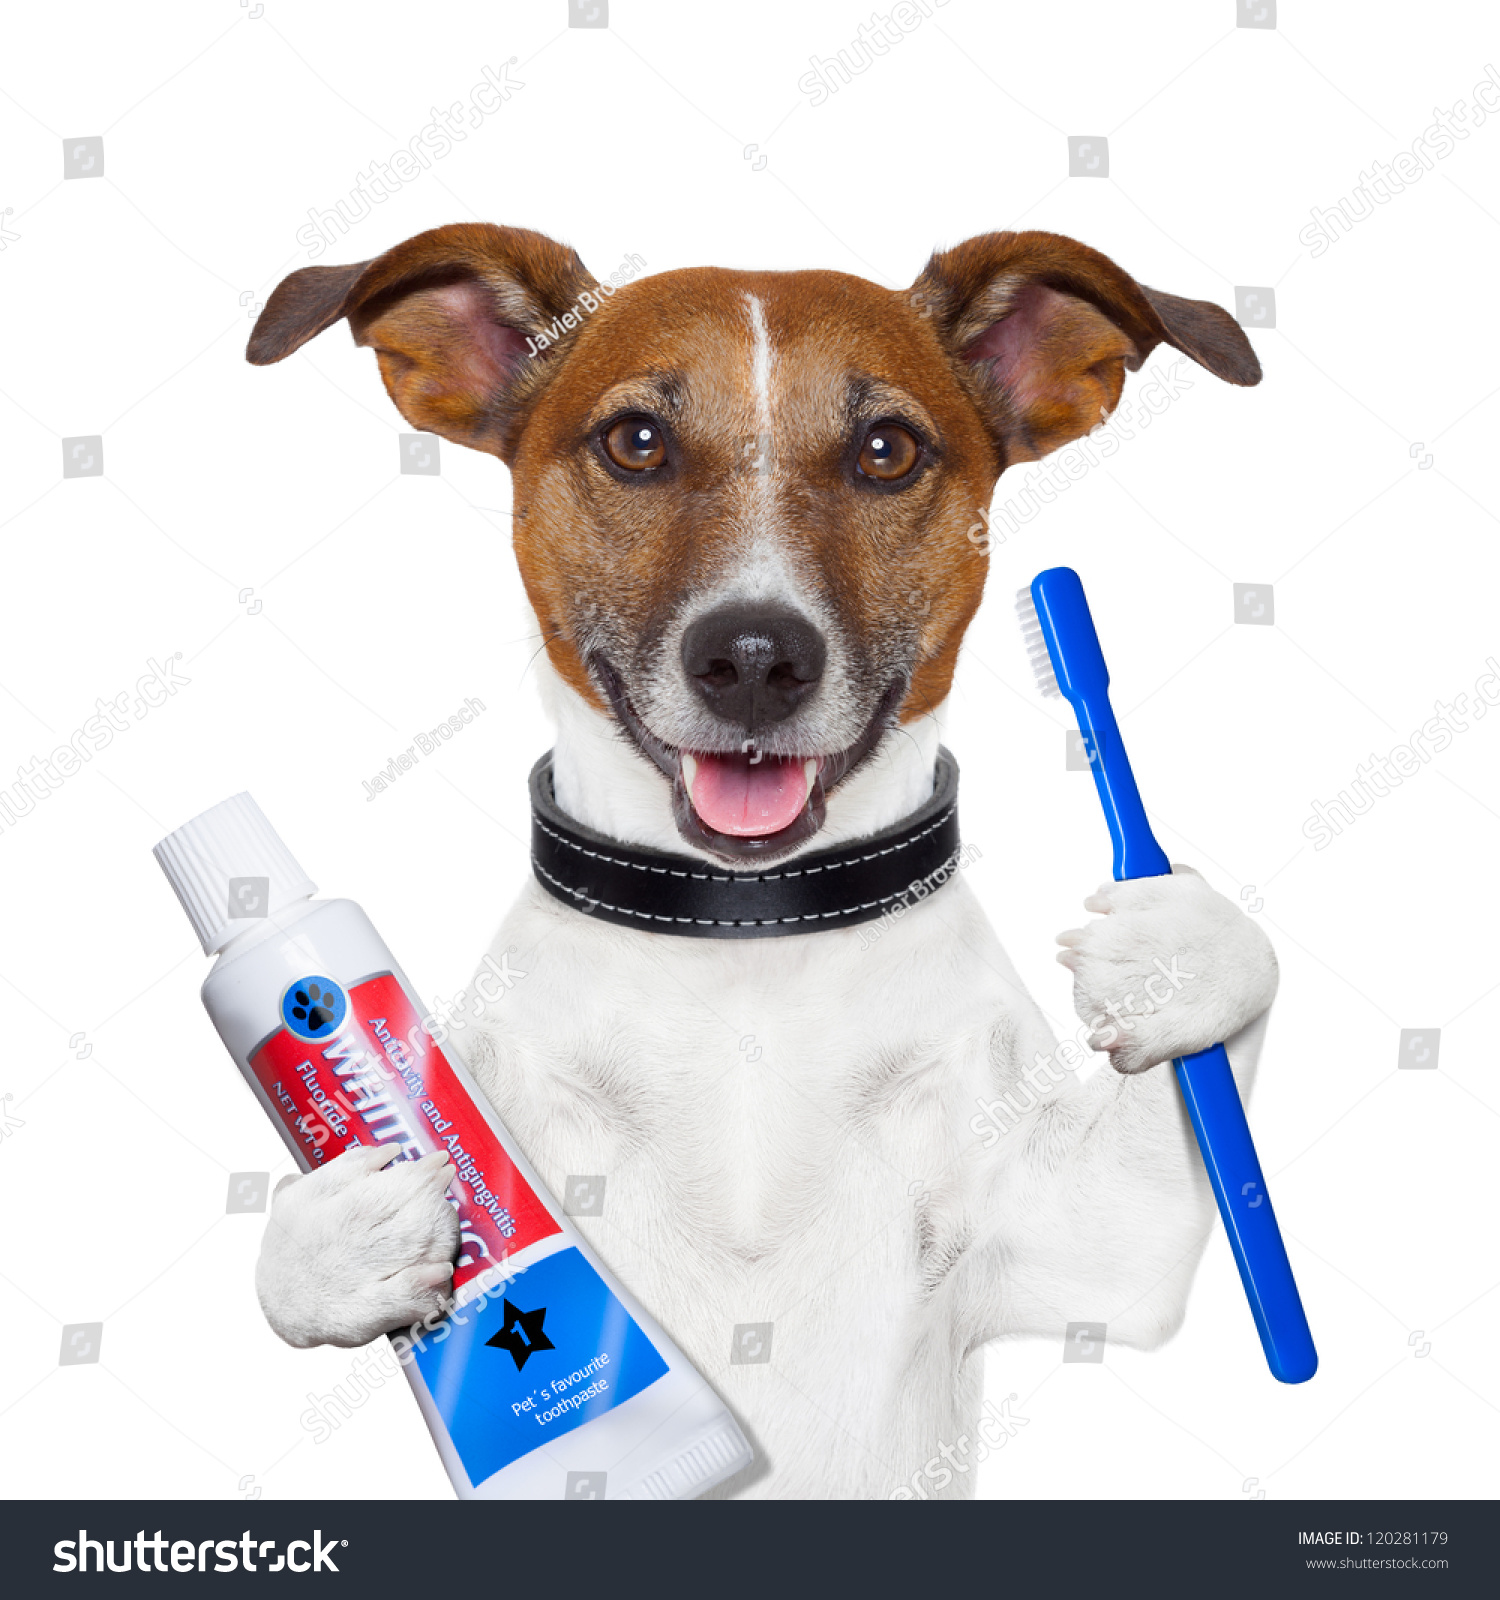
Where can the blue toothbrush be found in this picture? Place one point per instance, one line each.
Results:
(1068, 661)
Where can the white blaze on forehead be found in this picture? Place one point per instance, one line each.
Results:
(759, 447)
(760, 364)
(762, 570)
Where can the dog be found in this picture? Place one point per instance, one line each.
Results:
(728, 485)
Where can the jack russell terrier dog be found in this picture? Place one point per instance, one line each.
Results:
(728, 486)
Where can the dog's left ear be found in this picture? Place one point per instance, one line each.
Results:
(1045, 330)
(456, 316)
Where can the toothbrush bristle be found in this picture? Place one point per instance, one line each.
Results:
(1036, 644)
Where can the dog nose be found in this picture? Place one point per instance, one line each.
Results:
(753, 665)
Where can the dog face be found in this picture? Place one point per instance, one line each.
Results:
(745, 502)
(741, 512)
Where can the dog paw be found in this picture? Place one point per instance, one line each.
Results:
(1169, 967)
(357, 1248)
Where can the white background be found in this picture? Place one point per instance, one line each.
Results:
(326, 608)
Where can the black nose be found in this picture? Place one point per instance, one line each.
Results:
(753, 664)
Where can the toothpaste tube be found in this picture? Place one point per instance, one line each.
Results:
(547, 1379)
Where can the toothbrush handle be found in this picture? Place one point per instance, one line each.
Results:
(1208, 1087)
(1239, 1186)
(1137, 854)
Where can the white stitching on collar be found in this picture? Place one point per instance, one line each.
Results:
(711, 922)
(762, 877)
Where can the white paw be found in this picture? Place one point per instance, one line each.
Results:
(357, 1248)
(1168, 968)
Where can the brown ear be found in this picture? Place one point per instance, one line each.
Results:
(1047, 328)
(464, 320)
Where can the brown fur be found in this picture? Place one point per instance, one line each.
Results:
(1005, 348)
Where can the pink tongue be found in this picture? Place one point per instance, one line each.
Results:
(735, 797)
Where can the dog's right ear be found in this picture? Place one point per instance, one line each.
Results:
(450, 315)
(1044, 330)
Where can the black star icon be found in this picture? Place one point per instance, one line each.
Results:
(522, 1334)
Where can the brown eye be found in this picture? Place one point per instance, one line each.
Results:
(889, 453)
(635, 444)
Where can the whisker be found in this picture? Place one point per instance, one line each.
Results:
(531, 661)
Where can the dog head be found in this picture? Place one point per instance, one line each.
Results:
(744, 502)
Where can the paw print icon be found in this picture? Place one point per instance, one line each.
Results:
(314, 1008)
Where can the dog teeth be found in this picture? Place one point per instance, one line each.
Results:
(810, 772)
(689, 773)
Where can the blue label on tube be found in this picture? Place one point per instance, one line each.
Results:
(551, 1351)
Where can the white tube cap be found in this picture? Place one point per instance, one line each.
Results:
(230, 870)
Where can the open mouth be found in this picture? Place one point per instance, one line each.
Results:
(745, 804)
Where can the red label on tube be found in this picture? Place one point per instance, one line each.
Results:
(361, 1070)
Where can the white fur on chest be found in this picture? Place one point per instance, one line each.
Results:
(781, 1124)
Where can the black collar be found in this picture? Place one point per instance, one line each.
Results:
(667, 893)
